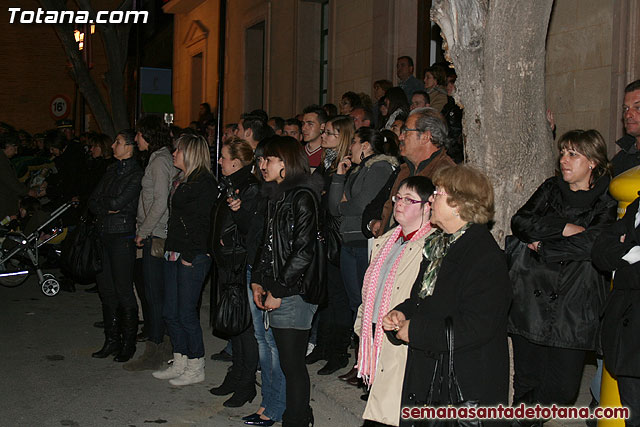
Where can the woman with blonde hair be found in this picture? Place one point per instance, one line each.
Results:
(334, 320)
(191, 199)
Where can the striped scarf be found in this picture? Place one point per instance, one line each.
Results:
(369, 350)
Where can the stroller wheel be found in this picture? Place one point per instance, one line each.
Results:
(50, 287)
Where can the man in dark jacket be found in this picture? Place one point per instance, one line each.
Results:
(629, 154)
(618, 248)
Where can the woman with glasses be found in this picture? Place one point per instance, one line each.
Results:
(358, 179)
(395, 263)
(463, 277)
(335, 321)
(558, 293)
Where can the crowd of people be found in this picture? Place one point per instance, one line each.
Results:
(351, 226)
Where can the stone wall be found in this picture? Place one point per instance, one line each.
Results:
(578, 72)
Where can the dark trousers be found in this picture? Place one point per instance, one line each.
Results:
(335, 320)
(353, 265)
(183, 285)
(629, 388)
(138, 282)
(153, 269)
(292, 347)
(544, 374)
(115, 281)
(245, 359)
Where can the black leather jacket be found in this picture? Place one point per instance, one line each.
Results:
(291, 230)
(190, 215)
(118, 190)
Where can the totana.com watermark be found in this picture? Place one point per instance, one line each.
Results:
(41, 16)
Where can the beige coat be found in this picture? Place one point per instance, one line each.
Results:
(384, 400)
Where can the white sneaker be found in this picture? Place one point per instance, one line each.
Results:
(310, 348)
(174, 370)
(194, 373)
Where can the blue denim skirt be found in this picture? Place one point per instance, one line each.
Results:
(293, 313)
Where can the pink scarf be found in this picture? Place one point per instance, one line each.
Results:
(369, 350)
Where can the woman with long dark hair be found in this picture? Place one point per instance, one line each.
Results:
(191, 199)
(114, 202)
(349, 194)
(154, 142)
(284, 278)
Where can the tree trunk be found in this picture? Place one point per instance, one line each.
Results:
(115, 42)
(498, 50)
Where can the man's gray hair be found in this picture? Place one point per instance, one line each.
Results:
(429, 119)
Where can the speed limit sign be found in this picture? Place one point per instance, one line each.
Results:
(60, 107)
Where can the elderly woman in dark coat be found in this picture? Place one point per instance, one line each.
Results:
(558, 293)
(463, 276)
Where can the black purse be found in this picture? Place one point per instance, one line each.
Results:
(233, 314)
(314, 280)
(82, 251)
(454, 393)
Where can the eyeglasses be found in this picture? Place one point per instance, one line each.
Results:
(406, 201)
(439, 193)
(404, 130)
(324, 132)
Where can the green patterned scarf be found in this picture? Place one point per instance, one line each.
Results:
(435, 249)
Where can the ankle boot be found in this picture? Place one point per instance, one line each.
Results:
(174, 370)
(193, 373)
(240, 397)
(112, 343)
(129, 327)
(228, 386)
(148, 360)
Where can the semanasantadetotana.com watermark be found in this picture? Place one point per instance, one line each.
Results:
(41, 16)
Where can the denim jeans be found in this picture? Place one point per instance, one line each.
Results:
(183, 285)
(153, 269)
(273, 382)
(115, 281)
(353, 265)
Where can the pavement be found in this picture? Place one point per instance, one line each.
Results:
(50, 379)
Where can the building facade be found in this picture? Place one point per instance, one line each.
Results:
(282, 55)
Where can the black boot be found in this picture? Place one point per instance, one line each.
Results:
(319, 353)
(112, 343)
(338, 356)
(240, 397)
(129, 327)
(228, 386)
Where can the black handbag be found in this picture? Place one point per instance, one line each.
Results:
(333, 238)
(454, 393)
(82, 251)
(314, 280)
(233, 314)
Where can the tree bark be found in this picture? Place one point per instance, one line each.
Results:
(498, 50)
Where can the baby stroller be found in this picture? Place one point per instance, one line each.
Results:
(19, 254)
